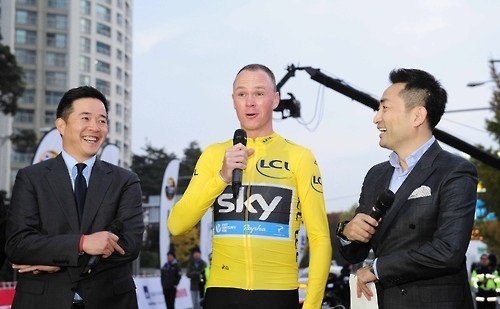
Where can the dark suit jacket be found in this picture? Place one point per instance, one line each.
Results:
(43, 229)
(421, 242)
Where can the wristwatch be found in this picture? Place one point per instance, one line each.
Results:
(340, 230)
(370, 268)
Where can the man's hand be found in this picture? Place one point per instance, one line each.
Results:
(35, 269)
(364, 276)
(102, 243)
(361, 228)
(235, 157)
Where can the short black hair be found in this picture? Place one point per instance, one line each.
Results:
(261, 67)
(65, 106)
(422, 89)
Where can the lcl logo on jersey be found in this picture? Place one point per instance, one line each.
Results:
(316, 183)
(264, 203)
(274, 168)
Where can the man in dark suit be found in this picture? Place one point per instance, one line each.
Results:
(420, 243)
(50, 240)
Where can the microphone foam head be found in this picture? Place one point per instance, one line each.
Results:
(385, 200)
(240, 136)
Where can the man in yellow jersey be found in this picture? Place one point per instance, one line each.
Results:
(254, 246)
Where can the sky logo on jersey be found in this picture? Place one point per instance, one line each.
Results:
(266, 207)
(277, 169)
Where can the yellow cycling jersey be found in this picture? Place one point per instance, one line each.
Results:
(254, 245)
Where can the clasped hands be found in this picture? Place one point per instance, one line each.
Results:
(100, 243)
(361, 229)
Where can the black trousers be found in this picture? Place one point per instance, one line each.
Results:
(170, 295)
(230, 298)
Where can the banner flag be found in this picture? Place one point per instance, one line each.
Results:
(111, 154)
(49, 146)
(206, 236)
(167, 200)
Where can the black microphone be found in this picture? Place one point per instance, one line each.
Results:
(383, 203)
(240, 136)
(115, 227)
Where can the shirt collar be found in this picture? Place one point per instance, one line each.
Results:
(413, 158)
(71, 162)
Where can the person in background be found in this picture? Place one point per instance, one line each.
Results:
(255, 229)
(485, 282)
(170, 277)
(420, 243)
(71, 208)
(196, 267)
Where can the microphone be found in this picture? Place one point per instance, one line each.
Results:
(383, 203)
(240, 136)
(115, 227)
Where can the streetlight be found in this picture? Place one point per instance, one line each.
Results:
(475, 84)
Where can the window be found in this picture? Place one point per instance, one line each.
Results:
(103, 48)
(85, 45)
(102, 66)
(84, 64)
(119, 73)
(56, 59)
(53, 97)
(24, 56)
(26, 17)
(28, 97)
(29, 76)
(85, 7)
(118, 127)
(103, 86)
(119, 36)
(103, 29)
(119, 54)
(58, 40)
(50, 117)
(85, 25)
(119, 109)
(84, 80)
(103, 13)
(58, 4)
(24, 115)
(26, 2)
(25, 37)
(55, 79)
(119, 19)
(57, 21)
(119, 90)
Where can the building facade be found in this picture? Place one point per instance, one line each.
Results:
(61, 44)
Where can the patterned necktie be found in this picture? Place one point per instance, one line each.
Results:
(80, 188)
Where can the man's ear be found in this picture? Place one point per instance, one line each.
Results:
(420, 116)
(60, 125)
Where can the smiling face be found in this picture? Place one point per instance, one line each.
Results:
(85, 129)
(254, 98)
(401, 129)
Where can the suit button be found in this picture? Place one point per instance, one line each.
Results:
(412, 226)
(403, 292)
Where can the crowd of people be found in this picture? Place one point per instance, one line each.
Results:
(75, 224)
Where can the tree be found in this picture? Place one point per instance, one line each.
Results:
(11, 81)
(24, 141)
(489, 176)
(186, 168)
(151, 167)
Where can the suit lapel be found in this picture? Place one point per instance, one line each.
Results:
(99, 183)
(417, 176)
(60, 184)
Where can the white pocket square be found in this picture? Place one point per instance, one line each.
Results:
(420, 192)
